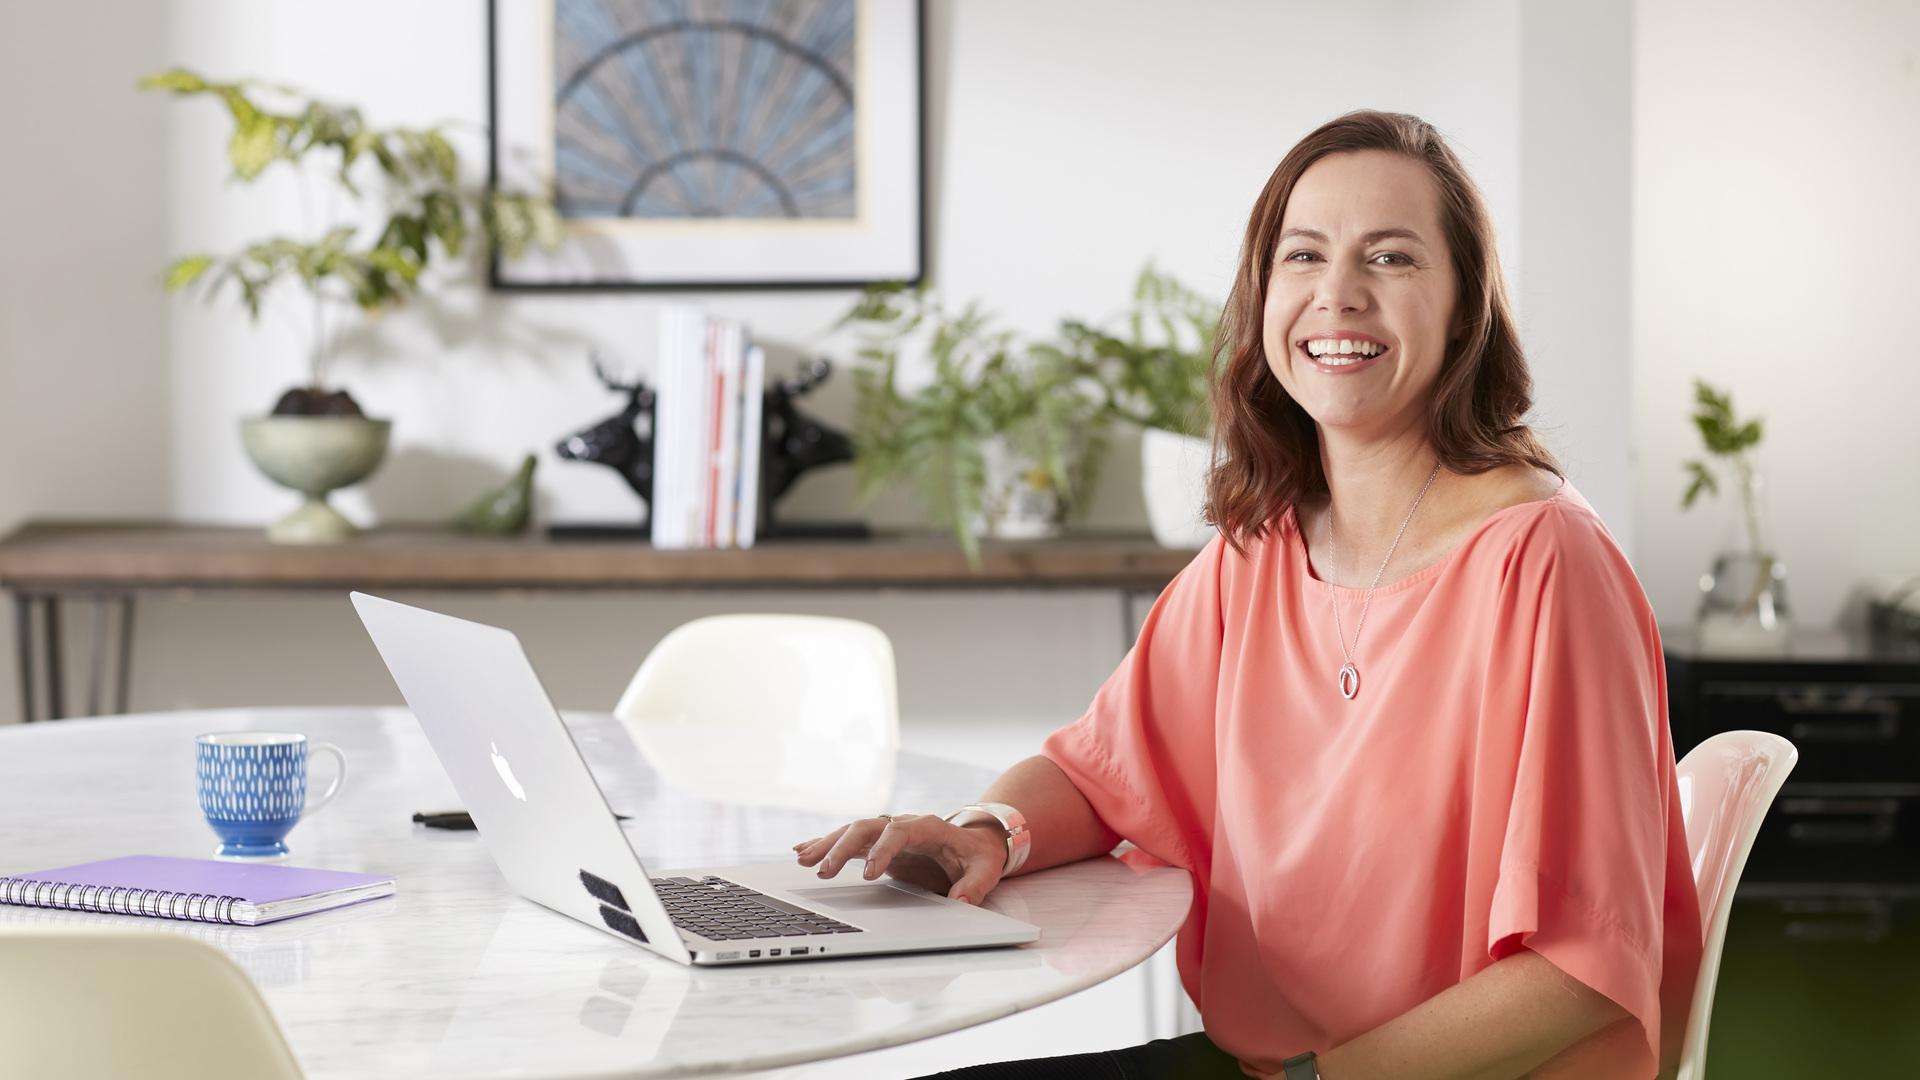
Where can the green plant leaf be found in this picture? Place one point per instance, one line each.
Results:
(443, 217)
(439, 154)
(185, 271)
(178, 80)
(1703, 480)
(396, 261)
(254, 145)
(1719, 430)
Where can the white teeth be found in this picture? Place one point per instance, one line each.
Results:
(1328, 347)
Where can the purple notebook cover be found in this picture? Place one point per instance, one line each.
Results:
(256, 883)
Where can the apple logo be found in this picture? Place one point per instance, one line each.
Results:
(506, 772)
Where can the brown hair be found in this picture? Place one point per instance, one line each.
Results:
(1272, 457)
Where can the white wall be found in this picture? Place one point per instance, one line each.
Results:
(1573, 298)
(84, 396)
(1775, 157)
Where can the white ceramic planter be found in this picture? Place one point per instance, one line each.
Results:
(1173, 478)
(1013, 507)
(315, 455)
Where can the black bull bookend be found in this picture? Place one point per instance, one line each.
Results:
(791, 442)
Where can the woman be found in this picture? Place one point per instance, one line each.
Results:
(1404, 718)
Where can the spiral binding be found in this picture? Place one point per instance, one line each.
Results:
(118, 900)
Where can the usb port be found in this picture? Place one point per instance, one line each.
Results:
(773, 952)
(753, 954)
(800, 951)
(734, 955)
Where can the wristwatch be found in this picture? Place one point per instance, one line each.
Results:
(1301, 1067)
(1019, 841)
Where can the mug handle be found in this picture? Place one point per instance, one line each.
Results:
(340, 777)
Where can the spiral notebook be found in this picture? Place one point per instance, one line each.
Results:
(202, 890)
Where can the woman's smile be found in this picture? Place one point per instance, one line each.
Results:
(1341, 353)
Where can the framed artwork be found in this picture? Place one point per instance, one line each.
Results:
(713, 144)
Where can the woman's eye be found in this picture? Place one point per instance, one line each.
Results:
(1404, 261)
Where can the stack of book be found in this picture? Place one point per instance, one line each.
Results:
(706, 432)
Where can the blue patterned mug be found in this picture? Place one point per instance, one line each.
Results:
(253, 788)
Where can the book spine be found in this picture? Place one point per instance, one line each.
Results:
(118, 900)
(690, 406)
(700, 400)
(751, 422)
(716, 380)
(665, 417)
(730, 439)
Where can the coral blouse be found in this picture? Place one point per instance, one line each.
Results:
(1504, 780)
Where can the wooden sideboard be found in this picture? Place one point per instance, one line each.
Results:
(44, 563)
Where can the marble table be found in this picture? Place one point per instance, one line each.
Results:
(458, 976)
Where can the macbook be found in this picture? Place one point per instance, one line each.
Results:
(548, 826)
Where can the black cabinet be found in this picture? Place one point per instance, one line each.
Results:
(1817, 974)
(1848, 819)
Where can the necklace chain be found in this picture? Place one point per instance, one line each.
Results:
(1349, 673)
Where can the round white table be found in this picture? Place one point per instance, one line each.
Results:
(456, 975)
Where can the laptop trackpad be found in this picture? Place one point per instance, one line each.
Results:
(863, 898)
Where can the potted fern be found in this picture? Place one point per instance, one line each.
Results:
(1743, 606)
(1153, 369)
(316, 439)
(1001, 441)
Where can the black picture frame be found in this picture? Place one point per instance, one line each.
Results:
(499, 283)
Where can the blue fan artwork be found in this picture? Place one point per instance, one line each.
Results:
(704, 109)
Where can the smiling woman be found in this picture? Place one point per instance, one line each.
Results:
(1454, 848)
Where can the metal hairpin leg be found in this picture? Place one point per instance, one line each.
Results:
(52, 653)
(126, 653)
(97, 652)
(23, 644)
(56, 691)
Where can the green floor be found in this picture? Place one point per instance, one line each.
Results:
(1816, 1008)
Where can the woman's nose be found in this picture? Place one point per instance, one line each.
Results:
(1340, 288)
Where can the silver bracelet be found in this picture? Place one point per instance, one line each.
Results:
(1019, 840)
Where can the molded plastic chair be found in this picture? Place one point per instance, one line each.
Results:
(106, 1001)
(1726, 785)
(797, 711)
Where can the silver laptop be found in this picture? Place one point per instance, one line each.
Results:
(549, 828)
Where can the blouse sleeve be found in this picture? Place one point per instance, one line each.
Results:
(1586, 872)
(1142, 753)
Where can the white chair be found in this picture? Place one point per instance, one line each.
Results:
(797, 711)
(1726, 785)
(107, 1001)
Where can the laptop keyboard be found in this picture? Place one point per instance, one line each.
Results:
(722, 910)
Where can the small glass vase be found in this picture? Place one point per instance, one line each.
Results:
(1743, 598)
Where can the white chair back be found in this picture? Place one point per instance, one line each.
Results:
(1726, 785)
(107, 1001)
(798, 711)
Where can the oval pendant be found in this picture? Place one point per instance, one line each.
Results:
(1349, 681)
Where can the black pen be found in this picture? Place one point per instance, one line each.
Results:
(459, 819)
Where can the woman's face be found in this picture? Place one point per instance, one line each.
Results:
(1360, 257)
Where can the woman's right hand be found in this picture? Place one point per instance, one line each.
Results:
(964, 862)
